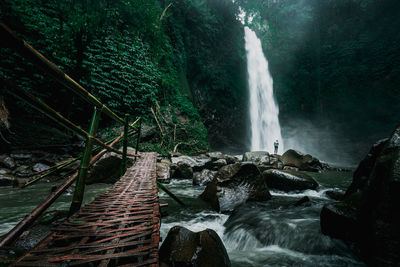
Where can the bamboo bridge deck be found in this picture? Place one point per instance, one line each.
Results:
(119, 228)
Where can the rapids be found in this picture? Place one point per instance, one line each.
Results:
(273, 233)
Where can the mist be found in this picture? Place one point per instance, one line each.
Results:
(325, 141)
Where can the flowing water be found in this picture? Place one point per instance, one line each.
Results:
(16, 204)
(272, 233)
(264, 111)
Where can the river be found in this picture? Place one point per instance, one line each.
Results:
(273, 233)
(16, 204)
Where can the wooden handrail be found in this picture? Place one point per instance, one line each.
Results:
(50, 112)
(34, 214)
(10, 39)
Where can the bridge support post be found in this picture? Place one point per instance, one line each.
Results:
(83, 169)
(125, 144)
(138, 137)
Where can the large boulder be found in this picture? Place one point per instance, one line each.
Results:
(263, 160)
(106, 170)
(203, 177)
(247, 184)
(7, 162)
(163, 171)
(23, 171)
(219, 163)
(289, 180)
(227, 172)
(183, 247)
(377, 234)
(215, 155)
(304, 162)
(196, 163)
(256, 156)
(183, 171)
(7, 181)
(364, 169)
(38, 167)
(339, 219)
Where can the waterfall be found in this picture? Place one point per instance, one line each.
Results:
(265, 128)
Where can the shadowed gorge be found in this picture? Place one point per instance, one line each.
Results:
(199, 133)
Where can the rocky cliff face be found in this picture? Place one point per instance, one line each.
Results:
(369, 215)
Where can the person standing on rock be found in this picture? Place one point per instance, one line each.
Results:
(276, 144)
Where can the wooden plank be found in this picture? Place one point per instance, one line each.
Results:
(127, 230)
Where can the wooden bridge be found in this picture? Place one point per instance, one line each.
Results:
(121, 226)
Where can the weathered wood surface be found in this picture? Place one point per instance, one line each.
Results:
(120, 227)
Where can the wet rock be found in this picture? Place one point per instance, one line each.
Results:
(38, 167)
(377, 216)
(23, 156)
(231, 159)
(7, 162)
(238, 157)
(304, 162)
(227, 172)
(263, 168)
(290, 168)
(201, 163)
(301, 201)
(275, 161)
(289, 180)
(203, 177)
(183, 247)
(4, 171)
(364, 169)
(183, 171)
(174, 154)
(163, 171)
(197, 164)
(219, 163)
(147, 132)
(7, 181)
(23, 171)
(335, 195)
(256, 156)
(215, 155)
(106, 170)
(172, 169)
(339, 219)
(166, 161)
(247, 184)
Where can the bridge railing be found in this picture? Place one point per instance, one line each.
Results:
(11, 40)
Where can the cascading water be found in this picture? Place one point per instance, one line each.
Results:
(265, 127)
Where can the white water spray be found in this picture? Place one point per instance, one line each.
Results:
(265, 127)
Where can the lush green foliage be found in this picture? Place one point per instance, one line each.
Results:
(120, 62)
(186, 55)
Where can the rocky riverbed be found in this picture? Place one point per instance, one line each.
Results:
(254, 209)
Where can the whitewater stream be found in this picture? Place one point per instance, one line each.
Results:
(272, 233)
